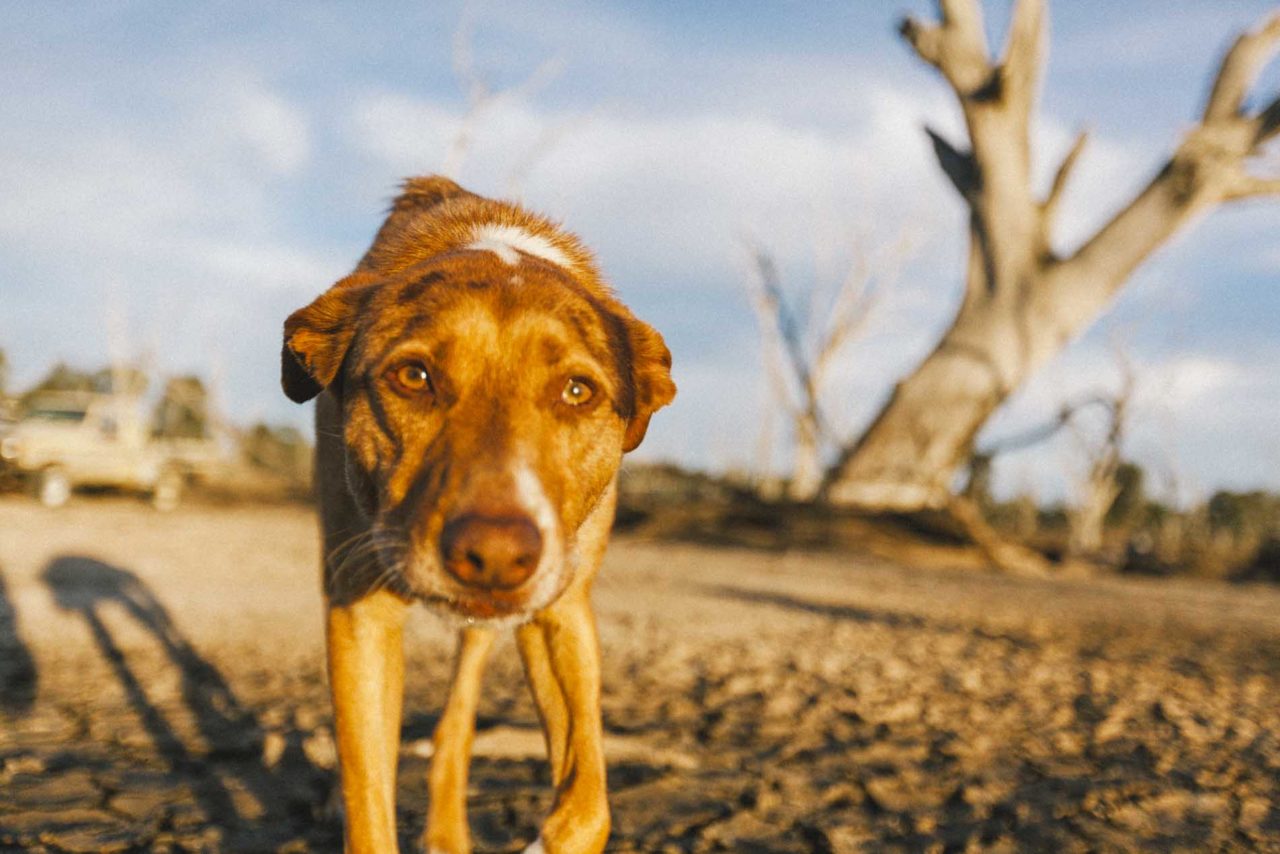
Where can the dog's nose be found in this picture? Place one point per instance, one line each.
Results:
(490, 551)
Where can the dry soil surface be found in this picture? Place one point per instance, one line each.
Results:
(162, 688)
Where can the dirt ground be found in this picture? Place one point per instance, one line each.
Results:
(162, 689)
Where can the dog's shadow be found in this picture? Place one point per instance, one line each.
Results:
(18, 673)
(288, 793)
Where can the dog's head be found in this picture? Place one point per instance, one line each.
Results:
(485, 411)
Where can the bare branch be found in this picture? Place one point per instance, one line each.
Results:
(958, 165)
(1005, 554)
(925, 39)
(960, 32)
(473, 88)
(480, 96)
(848, 322)
(1208, 168)
(1240, 68)
(1063, 175)
(801, 348)
(464, 67)
(1098, 487)
(964, 18)
(547, 140)
(764, 291)
(787, 328)
(1250, 187)
(858, 295)
(1043, 431)
(541, 77)
(957, 48)
(1024, 47)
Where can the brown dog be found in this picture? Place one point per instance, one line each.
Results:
(478, 385)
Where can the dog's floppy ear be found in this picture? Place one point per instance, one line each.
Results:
(651, 376)
(316, 337)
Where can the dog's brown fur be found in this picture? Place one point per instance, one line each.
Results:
(486, 492)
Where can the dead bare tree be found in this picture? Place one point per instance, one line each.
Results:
(801, 347)
(982, 459)
(1023, 302)
(482, 97)
(1095, 492)
(1098, 487)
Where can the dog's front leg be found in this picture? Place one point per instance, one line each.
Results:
(562, 659)
(366, 677)
(447, 831)
(547, 695)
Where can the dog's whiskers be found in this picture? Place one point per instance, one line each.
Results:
(375, 546)
(348, 543)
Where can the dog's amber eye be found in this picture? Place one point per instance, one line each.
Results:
(410, 378)
(576, 392)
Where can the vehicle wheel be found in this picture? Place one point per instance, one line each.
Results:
(167, 493)
(53, 487)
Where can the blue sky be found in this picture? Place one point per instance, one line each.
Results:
(178, 177)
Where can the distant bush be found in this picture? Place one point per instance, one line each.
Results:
(279, 450)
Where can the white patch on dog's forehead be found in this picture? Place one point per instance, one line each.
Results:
(508, 241)
(506, 254)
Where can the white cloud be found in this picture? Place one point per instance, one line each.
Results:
(180, 220)
(674, 191)
(1194, 379)
(130, 183)
(274, 129)
(269, 265)
(406, 134)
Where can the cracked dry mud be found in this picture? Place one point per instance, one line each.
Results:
(162, 687)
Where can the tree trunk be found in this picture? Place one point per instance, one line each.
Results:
(1023, 304)
(806, 470)
(910, 454)
(1087, 519)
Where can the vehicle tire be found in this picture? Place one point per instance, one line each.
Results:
(53, 487)
(166, 495)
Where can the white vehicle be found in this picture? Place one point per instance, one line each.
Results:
(70, 439)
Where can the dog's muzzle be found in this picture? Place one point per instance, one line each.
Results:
(491, 552)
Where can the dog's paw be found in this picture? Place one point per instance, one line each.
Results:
(536, 847)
